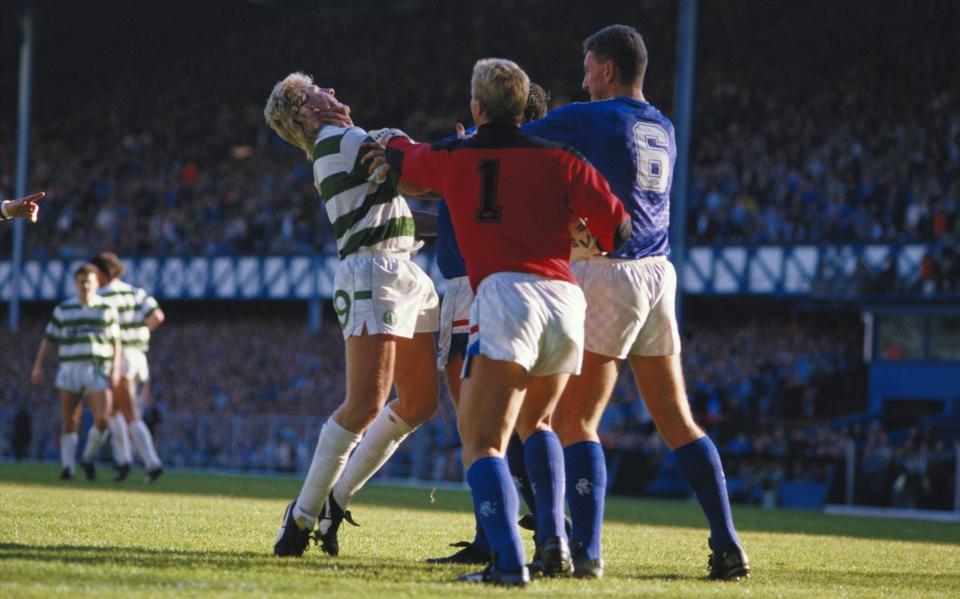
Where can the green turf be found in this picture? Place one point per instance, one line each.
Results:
(199, 535)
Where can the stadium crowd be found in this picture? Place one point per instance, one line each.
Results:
(251, 392)
(827, 153)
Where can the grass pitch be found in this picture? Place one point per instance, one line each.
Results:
(198, 535)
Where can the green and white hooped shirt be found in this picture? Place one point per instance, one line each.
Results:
(133, 306)
(84, 333)
(364, 214)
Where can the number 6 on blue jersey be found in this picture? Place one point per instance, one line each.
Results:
(653, 157)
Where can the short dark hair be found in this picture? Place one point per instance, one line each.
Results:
(108, 263)
(538, 103)
(85, 269)
(624, 46)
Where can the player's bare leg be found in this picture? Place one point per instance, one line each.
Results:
(660, 381)
(416, 379)
(490, 401)
(578, 414)
(451, 373)
(100, 404)
(370, 362)
(71, 405)
(543, 457)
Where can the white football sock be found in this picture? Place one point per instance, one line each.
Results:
(144, 442)
(68, 450)
(95, 440)
(333, 449)
(120, 440)
(379, 443)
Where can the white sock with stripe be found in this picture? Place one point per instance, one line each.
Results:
(95, 440)
(120, 440)
(144, 442)
(379, 443)
(333, 449)
(68, 450)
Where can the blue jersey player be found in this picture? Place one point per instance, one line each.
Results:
(630, 301)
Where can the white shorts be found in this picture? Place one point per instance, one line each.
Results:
(384, 292)
(630, 306)
(454, 316)
(528, 319)
(135, 366)
(82, 377)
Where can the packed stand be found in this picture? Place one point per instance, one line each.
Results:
(167, 152)
(246, 391)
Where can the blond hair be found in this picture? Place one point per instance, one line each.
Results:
(285, 112)
(501, 87)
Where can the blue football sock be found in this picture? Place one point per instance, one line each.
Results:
(480, 538)
(586, 492)
(543, 456)
(495, 502)
(518, 469)
(700, 464)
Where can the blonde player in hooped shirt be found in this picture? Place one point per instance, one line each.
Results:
(388, 310)
(139, 315)
(86, 331)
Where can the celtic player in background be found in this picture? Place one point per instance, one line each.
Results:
(87, 334)
(139, 315)
(387, 307)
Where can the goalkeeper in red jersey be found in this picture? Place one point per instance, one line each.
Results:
(511, 197)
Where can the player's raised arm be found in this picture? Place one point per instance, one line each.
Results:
(418, 163)
(26, 207)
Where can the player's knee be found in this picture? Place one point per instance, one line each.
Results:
(473, 452)
(571, 428)
(528, 426)
(101, 423)
(683, 432)
(416, 413)
(130, 413)
(357, 416)
(426, 410)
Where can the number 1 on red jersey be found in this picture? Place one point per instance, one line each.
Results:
(488, 212)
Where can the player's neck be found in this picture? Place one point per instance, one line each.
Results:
(626, 91)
